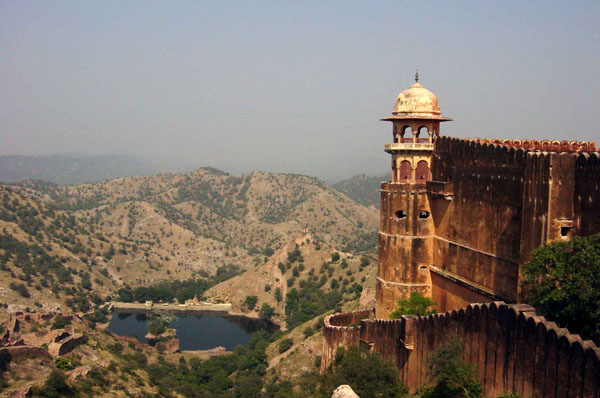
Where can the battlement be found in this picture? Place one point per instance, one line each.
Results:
(514, 348)
(541, 145)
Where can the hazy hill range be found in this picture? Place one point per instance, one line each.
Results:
(78, 241)
(362, 189)
(70, 169)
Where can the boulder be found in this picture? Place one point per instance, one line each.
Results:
(344, 391)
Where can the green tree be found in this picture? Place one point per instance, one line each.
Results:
(366, 372)
(417, 305)
(250, 302)
(563, 282)
(157, 326)
(451, 376)
(55, 387)
(63, 363)
(285, 344)
(266, 312)
(278, 296)
(59, 322)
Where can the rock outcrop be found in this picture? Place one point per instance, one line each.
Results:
(344, 391)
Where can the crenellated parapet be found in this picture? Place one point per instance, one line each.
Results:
(515, 349)
(341, 330)
(541, 145)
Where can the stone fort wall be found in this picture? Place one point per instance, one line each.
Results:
(513, 348)
(502, 199)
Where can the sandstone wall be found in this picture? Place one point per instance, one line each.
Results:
(587, 193)
(337, 332)
(405, 245)
(477, 231)
(506, 201)
(513, 348)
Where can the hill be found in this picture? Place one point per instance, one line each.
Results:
(362, 189)
(70, 169)
(75, 244)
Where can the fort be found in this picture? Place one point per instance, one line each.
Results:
(459, 218)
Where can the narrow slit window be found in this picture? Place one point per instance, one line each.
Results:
(424, 214)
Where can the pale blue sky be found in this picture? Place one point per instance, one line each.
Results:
(288, 86)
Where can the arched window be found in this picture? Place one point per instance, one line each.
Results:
(423, 134)
(406, 134)
(405, 171)
(422, 172)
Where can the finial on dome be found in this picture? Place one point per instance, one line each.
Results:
(417, 76)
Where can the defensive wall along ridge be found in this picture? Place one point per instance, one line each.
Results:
(513, 348)
(463, 235)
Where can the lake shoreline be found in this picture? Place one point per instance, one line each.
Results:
(199, 327)
(211, 309)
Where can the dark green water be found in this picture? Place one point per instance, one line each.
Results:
(195, 332)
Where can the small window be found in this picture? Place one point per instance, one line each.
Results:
(400, 214)
(424, 214)
(565, 231)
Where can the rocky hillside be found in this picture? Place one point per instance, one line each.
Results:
(362, 189)
(70, 243)
(303, 279)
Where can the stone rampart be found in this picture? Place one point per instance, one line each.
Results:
(499, 203)
(341, 330)
(513, 348)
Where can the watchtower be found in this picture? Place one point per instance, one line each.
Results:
(406, 227)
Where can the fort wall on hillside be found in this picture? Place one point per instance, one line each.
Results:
(504, 202)
(513, 348)
(463, 235)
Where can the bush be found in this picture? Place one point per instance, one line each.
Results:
(63, 364)
(335, 257)
(266, 312)
(59, 322)
(366, 372)
(250, 302)
(309, 331)
(20, 288)
(416, 305)
(285, 344)
(55, 387)
(451, 376)
(562, 282)
(157, 326)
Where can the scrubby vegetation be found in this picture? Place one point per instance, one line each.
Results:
(451, 377)
(308, 302)
(417, 305)
(367, 373)
(180, 290)
(235, 375)
(563, 282)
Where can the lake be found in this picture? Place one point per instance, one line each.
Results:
(195, 332)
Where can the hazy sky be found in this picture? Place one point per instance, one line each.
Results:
(288, 86)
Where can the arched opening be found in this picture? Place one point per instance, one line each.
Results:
(406, 135)
(422, 172)
(405, 171)
(423, 134)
